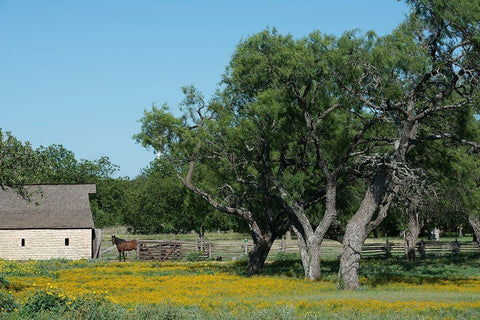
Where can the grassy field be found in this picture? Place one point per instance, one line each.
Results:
(330, 249)
(439, 288)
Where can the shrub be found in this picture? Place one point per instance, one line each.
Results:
(7, 303)
(195, 256)
(95, 308)
(46, 301)
(282, 256)
(3, 281)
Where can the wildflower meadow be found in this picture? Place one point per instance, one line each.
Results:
(440, 288)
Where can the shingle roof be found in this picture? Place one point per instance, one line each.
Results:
(60, 206)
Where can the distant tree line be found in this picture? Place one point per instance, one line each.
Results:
(153, 202)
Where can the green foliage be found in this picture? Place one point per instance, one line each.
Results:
(7, 303)
(95, 308)
(3, 281)
(286, 264)
(171, 312)
(429, 270)
(20, 164)
(61, 166)
(159, 129)
(110, 203)
(166, 312)
(46, 300)
(157, 202)
(296, 116)
(117, 200)
(195, 256)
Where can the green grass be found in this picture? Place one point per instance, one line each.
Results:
(379, 277)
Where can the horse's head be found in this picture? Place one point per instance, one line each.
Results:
(113, 239)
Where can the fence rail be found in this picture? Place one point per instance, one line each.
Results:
(158, 250)
(232, 250)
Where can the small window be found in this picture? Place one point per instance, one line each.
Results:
(23, 242)
(67, 241)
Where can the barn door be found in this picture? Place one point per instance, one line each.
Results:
(96, 243)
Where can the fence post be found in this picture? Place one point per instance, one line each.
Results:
(455, 246)
(137, 249)
(388, 248)
(284, 247)
(421, 248)
(209, 250)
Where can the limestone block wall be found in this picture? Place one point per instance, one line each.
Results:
(43, 244)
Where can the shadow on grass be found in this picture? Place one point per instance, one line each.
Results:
(376, 271)
(293, 268)
(428, 270)
(379, 271)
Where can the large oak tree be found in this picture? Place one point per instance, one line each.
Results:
(427, 69)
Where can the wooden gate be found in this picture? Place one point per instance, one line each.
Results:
(158, 250)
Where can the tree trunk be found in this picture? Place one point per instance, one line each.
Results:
(352, 246)
(314, 272)
(310, 254)
(302, 247)
(259, 253)
(412, 232)
(475, 223)
(355, 232)
(313, 239)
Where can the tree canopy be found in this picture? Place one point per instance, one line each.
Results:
(20, 164)
(299, 123)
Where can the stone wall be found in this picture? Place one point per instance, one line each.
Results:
(43, 244)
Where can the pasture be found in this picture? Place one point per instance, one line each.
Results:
(234, 246)
(446, 287)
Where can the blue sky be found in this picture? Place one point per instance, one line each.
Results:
(81, 73)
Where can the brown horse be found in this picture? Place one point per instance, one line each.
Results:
(123, 245)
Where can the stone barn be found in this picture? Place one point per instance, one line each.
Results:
(56, 222)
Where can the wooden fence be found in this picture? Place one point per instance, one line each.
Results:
(233, 250)
(167, 250)
(158, 250)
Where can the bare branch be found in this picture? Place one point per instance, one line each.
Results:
(448, 136)
(432, 109)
